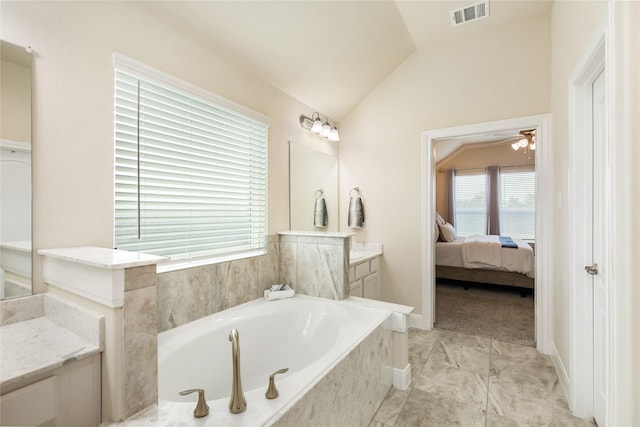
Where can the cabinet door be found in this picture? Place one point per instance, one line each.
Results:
(356, 289)
(372, 287)
(32, 405)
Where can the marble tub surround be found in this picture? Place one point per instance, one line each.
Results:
(316, 263)
(509, 384)
(350, 393)
(400, 337)
(93, 272)
(190, 294)
(122, 286)
(41, 333)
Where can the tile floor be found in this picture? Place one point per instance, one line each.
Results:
(469, 380)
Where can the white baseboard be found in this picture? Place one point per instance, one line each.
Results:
(561, 372)
(402, 377)
(417, 321)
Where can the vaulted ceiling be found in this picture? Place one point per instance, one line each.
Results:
(329, 54)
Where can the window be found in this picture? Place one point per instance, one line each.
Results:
(190, 170)
(470, 204)
(518, 204)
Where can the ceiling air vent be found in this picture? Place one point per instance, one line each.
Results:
(470, 13)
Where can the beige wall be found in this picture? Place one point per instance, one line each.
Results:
(15, 120)
(470, 157)
(73, 44)
(476, 80)
(573, 24)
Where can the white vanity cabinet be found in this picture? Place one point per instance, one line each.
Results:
(50, 363)
(67, 396)
(364, 278)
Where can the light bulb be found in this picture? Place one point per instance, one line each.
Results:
(532, 146)
(334, 136)
(523, 142)
(326, 130)
(317, 125)
(515, 146)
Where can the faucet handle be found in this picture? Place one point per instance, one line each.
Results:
(272, 391)
(202, 409)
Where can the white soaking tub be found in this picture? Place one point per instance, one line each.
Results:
(308, 335)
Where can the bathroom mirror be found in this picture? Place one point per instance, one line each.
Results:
(15, 171)
(309, 171)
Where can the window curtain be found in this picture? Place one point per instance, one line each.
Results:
(493, 200)
(450, 179)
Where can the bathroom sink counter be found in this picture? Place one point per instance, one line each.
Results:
(43, 332)
(35, 346)
(361, 252)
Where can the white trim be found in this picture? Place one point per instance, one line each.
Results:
(402, 377)
(560, 370)
(415, 321)
(592, 62)
(544, 202)
(8, 144)
(122, 62)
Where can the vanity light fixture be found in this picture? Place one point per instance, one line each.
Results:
(321, 127)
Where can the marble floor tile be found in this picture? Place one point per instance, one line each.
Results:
(536, 372)
(420, 344)
(519, 401)
(453, 383)
(470, 341)
(427, 409)
(459, 355)
(391, 405)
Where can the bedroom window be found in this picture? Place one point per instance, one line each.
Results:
(518, 204)
(190, 170)
(470, 204)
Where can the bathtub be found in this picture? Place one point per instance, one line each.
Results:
(308, 335)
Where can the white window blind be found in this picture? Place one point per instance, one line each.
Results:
(190, 175)
(518, 204)
(470, 204)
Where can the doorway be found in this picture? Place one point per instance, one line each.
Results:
(485, 186)
(590, 273)
(541, 123)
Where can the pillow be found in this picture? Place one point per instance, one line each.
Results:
(439, 219)
(436, 232)
(447, 232)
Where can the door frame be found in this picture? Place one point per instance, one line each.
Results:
(594, 60)
(542, 124)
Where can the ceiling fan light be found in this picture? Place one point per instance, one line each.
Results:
(515, 146)
(532, 146)
(523, 142)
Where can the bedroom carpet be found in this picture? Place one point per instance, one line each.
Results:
(491, 311)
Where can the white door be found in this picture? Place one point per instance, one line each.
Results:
(598, 256)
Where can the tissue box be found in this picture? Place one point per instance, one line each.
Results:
(273, 295)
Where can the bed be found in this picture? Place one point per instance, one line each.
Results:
(482, 259)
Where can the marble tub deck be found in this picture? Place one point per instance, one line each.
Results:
(468, 380)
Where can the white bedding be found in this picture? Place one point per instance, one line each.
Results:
(486, 252)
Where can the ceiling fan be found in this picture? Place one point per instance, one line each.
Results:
(525, 139)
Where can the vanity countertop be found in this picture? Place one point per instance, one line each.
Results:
(42, 332)
(34, 346)
(361, 252)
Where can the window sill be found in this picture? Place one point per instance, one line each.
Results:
(200, 262)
